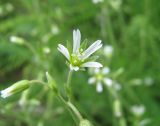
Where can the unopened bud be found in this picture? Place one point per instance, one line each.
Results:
(55, 30)
(116, 4)
(85, 122)
(117, 108)
(108, 51)
(51, 82)
(17, 40)
(15, 88)
(138, 110)
(118, 72)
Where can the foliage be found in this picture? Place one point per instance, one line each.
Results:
(131, 27)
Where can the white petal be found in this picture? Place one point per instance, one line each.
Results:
(91, 64)
(117, 86)
(91, 49)
(92, 80)
(96, 70)
(6, 92)
(108, 50)
(99, 87)
(76, 40)
(108, 81)
(75, 68)
(64, 51)
(97, 1)
(105, 70)
(138, 109)
(145, 122)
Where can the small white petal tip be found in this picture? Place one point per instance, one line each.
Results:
(92, 80)
(75, 68)
(99, 88)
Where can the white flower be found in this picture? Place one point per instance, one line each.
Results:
(145, 122)
(15, 88)
(116, 4)
(108, 51)
(136, 82)
(148, 81)
(97, 1)
(9, 7)
(46, 50)
(55, 29)
(138, 110)
(99, 78)
(78, 58)
(17, 40)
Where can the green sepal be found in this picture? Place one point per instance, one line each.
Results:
(67, 63)
(92, 58)
(84, 45)
(118, 72)
(15, 88)
(20, 86)
(69, 46)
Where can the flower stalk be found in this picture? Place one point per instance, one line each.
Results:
(75, 110)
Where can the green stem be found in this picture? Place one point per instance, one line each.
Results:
(37, 81)
(121, 120)
(72, 109)
(69, 77)
(110, 30)
(75, 110)
(29, 46)
(67, 86)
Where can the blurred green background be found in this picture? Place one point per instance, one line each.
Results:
(130, 26)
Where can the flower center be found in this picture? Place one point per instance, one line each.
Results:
(99, 77)
(75, 60)
(81, 50)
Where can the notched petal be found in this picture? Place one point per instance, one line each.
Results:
(64, 51)
(92, 64)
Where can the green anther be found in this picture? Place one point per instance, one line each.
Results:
(81, 50)
(75, 60)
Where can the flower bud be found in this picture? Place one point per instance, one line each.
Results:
(46, 50)
(116, 4)
(117, 108)
(138, 110)
(17, 40)
(108, 51)
(85, 122)
(52, 83)
(15, 88)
